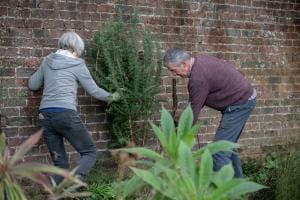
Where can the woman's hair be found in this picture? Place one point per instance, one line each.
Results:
(71, 41)
(175, 56)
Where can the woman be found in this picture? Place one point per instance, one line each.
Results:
(59, 73)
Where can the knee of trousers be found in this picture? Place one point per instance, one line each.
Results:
(60, 160)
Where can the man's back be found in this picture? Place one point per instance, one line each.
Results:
(217, 84)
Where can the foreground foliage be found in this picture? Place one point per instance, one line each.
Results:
(179, 173)
(12, 168)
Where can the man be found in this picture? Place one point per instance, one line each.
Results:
(215, 83)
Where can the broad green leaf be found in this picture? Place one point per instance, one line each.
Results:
(185, 160)
(189, 138)
(214, 147)
(245, 188)
(172, 178)
(167, 123)
(205, 171)
(143, 151)
(130, 186)
(224, 175)
(25, 147)
(175, 185)
(185, 122)
(173, 146)
(146, 163)
(168, 171)
(155, 181)
(225, 189)
(161, 136)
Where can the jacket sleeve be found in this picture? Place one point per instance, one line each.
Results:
(35, 82)
(198, 92)
(87, 82)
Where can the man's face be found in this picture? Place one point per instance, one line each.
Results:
(182, 70)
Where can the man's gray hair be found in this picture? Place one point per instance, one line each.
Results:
(71, 41)
(176, 56)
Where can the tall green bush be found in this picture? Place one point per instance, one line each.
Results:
(124, 58)
(179, 173)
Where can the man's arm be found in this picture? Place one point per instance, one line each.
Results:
(197, 95)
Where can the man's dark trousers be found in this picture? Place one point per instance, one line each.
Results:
(231, 126)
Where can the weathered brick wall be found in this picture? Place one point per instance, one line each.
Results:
(261, 37)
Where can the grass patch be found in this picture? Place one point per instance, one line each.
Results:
(101, 178)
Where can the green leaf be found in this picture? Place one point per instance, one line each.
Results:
(155, 181)
(167, 123)
(214, 147)
(189, 138)
(244, 188)
(14, 192)
(173, 146)
(205, 171)
(129, 187)
(224, 175)
(161, 136)
(235, 188)
(143, 151)
(185, 160)
(225, 189)
(185, 122)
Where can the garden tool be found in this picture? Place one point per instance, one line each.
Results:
(175, 106)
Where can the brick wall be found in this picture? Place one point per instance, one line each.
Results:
(261, 37)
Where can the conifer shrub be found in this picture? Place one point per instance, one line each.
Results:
(124, 58)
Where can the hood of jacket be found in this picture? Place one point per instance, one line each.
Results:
(57, 61)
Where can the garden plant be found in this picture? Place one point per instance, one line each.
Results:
(277, 171)
(12, 169)
(179, 173)
(124, 58)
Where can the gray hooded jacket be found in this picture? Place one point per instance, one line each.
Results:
(59, 74)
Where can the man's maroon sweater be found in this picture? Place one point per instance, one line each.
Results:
(217, 84)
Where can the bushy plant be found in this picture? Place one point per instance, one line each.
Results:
(287, 185)
(12, 168)
(179, 173)
(123, 58)
(264, 173)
